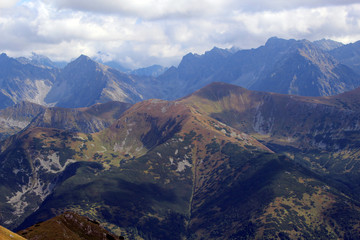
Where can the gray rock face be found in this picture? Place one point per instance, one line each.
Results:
(320, 68)
(84, 82)
(349, 55)
(81, 83)
(13, 119)
(282, 66)
(23, 82)
(307, 70)
(327, 44)
(152, 71)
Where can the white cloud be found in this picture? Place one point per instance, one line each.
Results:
(141, 33)
(8, 3)
(149, 9)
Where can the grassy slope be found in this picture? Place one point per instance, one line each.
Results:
(67, 226)
(321, 133)
(152, 190)
(6, 234)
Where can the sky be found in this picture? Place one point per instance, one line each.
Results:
(139, 33)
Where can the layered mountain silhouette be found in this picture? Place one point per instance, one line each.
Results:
(349, 55)
(84, 82)
(20, 82)
(282, 66)
(222, 163)
(299, 67)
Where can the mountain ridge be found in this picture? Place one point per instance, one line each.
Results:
(300, 67)
(297, 67)
(218, 164)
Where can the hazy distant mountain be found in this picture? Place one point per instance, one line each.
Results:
(117, 66)
(23, 82)
(283, 66)
(193, 72)
(85, 82)
(327, 44)
(152, 71)
(305, 70)
(321, 68)
(81, 83)
(349, 55)
(40, 60)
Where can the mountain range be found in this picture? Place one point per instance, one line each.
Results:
(283, 66)
(222, 163)
(87, 151)
(298, 67)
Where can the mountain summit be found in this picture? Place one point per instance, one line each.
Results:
(85, 82)
(297, 67)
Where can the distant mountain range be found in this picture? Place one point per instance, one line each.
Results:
(299, 67)
(282, 66)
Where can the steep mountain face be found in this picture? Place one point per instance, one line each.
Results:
(307, 71)
(321, 68)
(348, 54)
(84, 82)
(152, 71)
(14, 119)
(68, 225)
(23, 82)
(115, 65)
(40, 61)
(327, 44)
(81, 83)
(282, 66)
(193, 72)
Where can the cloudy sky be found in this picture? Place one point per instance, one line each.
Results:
(140, 33)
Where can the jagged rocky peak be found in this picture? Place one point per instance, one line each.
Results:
(3, 55)
(83, 60)
(327, 44)
(5, 60)
(215, 51)
(275, 42)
